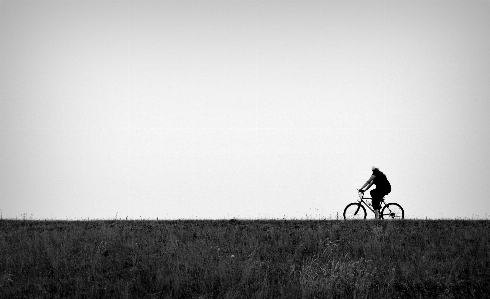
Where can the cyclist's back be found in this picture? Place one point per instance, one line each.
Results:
(381, 181)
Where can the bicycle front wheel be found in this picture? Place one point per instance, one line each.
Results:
(392, 211)
(354, 211)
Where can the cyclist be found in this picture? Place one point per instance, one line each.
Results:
(383, 188)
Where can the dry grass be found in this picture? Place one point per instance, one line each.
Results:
(237, 259)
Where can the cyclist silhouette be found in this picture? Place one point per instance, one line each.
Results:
(383, 188)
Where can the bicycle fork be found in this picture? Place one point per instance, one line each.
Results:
(358, 208)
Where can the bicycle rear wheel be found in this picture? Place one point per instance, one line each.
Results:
(392, 211)
(354, 211)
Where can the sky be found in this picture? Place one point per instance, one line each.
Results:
(242, 109)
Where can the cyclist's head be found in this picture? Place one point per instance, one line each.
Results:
(374, 167)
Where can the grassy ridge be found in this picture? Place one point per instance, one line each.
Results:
(256, 259)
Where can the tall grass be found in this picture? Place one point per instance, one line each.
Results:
(237, 259)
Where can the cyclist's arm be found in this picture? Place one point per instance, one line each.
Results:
(369, 183)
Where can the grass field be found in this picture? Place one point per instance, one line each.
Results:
(245, 259)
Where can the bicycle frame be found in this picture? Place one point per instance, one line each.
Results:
(370, 207)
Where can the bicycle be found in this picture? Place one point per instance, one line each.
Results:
(357, 210)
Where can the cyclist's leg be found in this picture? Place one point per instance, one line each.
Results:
(376, 197)
(383, 193)
(380, 197)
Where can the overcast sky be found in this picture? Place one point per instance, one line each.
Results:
(246, 109)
